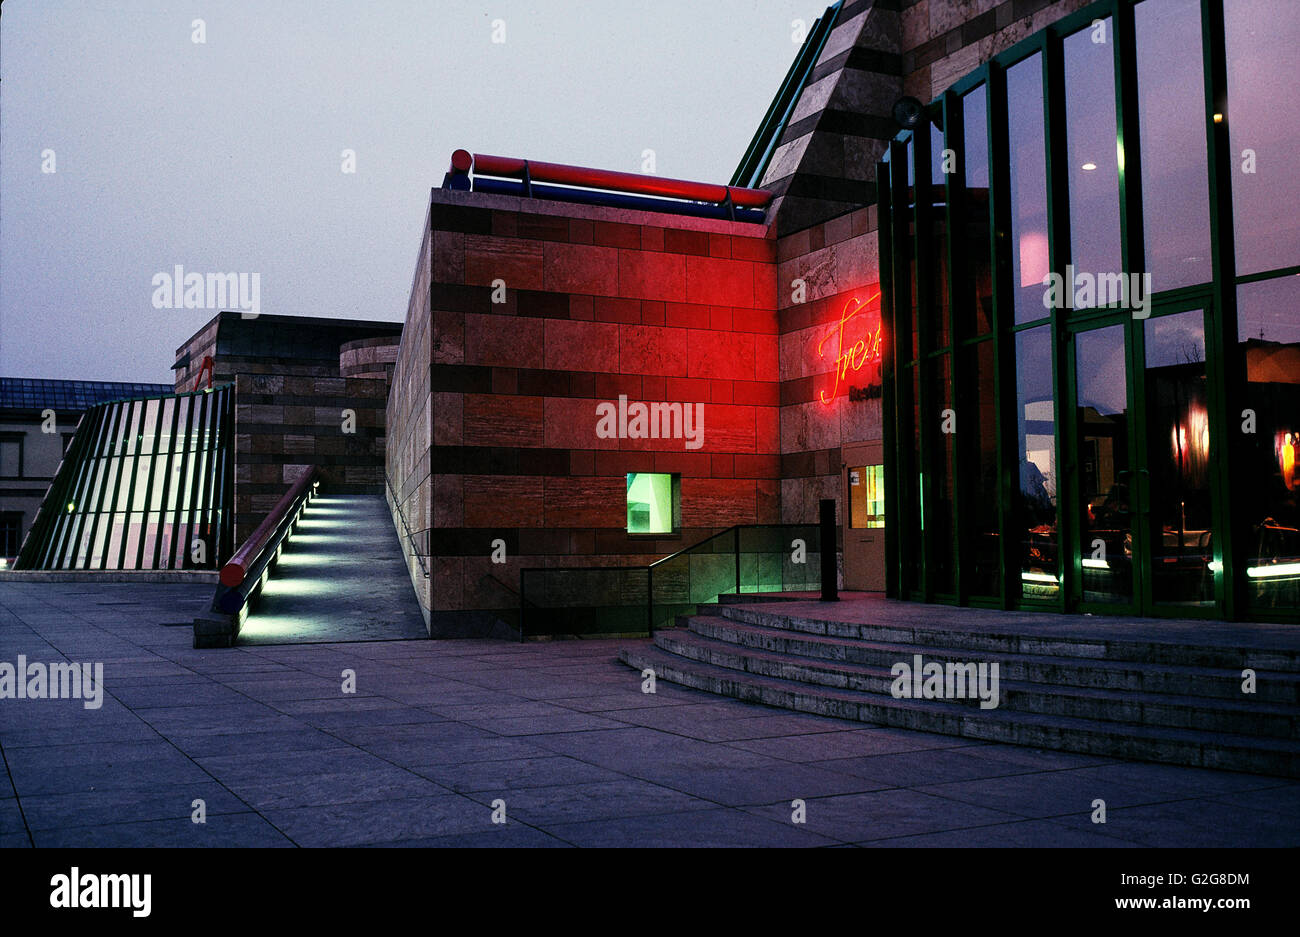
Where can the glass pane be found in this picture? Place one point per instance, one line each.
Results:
(940, 426)
(1269, 333)
(1106, 535)
(1171, 98)
(866, 496)
(977, 463)
(976, 236)
(1036, 449)
(1093, 167)
(1029, 256)
(649, 503)
(1178, 457)
(1263, 113)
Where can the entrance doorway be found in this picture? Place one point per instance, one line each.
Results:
(864, 519)
(1140, 485)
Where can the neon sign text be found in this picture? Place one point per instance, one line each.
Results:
(856, 355)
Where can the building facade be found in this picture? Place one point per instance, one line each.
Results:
(1013, 284)
(1093, 392)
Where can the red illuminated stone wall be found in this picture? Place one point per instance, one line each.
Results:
(598, 303)
(837, 262)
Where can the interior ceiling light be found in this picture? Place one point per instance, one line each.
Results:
(1089, 167)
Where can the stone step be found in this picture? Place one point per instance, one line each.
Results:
(1228, 657)
(1197, 748)
(1130, 707)
(1271, 687)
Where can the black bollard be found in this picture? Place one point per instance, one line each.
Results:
(830, 589)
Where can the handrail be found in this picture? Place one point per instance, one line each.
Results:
(261, 548)
(734, 532)
(236, 568)
(410, 537)
(631, 182)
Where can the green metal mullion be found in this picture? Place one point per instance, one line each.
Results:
(888, 376)
(228, 498)
(216, 511)
(1131, 236)
(194, 430)
(166, 486)
(200, 465)
(1004, 344)
(53, 509)
(182, 526)
(1140, 487)
(130, 487)
(85, 476)
(960, 303)
(202, 495)
(217, 483)
(1225, 360)
(107, 487)
(1269, 275)
(1059, 253)
(68, 479)
(927, 413)
(148, 486)
(902, 352)
(100, 463)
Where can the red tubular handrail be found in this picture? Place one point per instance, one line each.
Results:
(560, 174)
(232, 574)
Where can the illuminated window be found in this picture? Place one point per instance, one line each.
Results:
(866, 496)
(652, 503)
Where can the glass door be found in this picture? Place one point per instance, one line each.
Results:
(1175, 475)
(1103, 473)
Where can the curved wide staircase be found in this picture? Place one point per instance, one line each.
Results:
(1121, 694)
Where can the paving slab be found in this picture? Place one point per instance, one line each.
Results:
(560, 731)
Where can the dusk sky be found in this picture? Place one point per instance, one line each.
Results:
(226, 155)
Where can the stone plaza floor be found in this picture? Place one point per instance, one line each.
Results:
(441, 735)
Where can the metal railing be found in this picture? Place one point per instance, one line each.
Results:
(244, 573)
(613, 601)
(401, 515)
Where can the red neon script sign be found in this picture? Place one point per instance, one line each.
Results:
(856, 355)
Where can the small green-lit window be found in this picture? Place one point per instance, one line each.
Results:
(652, 506)
(866, 496)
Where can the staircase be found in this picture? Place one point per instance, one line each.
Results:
(1119, 694)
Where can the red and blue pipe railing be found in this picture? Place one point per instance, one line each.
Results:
(503, 175)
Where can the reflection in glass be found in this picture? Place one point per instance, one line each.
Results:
(866, 496)
(1171, 95)
(1269, 334)
(977, 463)
(939, 532)
(1106, 536)
(978, 270)
(1178, 460)
(650, 507)
(1036, 451)
(1262, 37)
(1029, 256)
(1091, 150)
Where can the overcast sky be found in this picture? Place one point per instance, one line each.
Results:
(226, 155)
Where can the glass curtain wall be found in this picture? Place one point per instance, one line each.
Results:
(145, 484)
(1102, 301)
